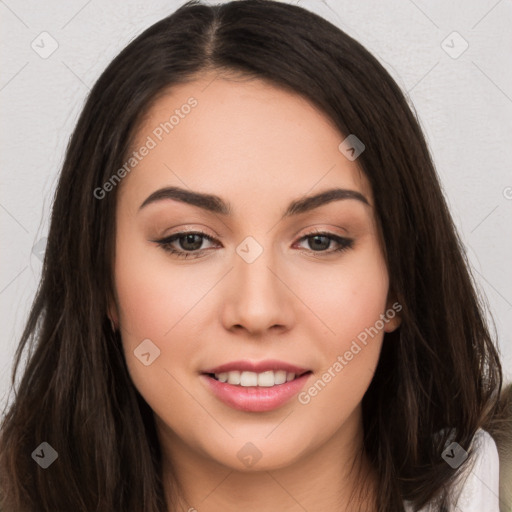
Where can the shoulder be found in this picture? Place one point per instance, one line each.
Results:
(477, 486)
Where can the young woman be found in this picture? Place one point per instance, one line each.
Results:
(253, 295)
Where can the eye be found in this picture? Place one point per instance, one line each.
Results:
(320, 240)
(190, 242)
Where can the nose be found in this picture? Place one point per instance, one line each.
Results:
(258, 296)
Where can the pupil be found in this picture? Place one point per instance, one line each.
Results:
(322, 246)
(190, 239)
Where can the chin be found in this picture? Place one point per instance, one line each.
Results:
(253, 454)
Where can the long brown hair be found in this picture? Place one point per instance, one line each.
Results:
(438, 373)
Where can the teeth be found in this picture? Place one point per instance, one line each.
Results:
(264, 379)
(233, 378)
(280, 377)
(248, 379)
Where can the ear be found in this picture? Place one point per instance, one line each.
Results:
(392, 315)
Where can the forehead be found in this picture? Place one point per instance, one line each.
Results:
(230, 135)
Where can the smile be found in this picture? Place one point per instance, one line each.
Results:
(264, 379)
(247, 389)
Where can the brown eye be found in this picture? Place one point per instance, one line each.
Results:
(189, 244)
(319, 242)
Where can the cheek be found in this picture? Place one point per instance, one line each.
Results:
(154, 295)
(347, 298)
(350, 303)
(155, 303)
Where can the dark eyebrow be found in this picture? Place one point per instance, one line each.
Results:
(216, 204)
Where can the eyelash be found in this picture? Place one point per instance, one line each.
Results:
(165, 243)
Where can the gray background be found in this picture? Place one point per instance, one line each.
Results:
(464, 103)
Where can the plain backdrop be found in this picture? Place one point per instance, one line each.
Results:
(452, 59)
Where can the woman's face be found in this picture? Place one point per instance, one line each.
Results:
(260, 297)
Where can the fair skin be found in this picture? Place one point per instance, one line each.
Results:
(258, 148)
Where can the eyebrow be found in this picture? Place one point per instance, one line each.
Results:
(216, 204)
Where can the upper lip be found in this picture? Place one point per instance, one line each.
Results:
(257, 367)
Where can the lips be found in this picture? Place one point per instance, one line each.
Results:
(255, 386)
(257, 367)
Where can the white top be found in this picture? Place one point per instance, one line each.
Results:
(477, 489)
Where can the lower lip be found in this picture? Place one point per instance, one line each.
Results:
(255, 398)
